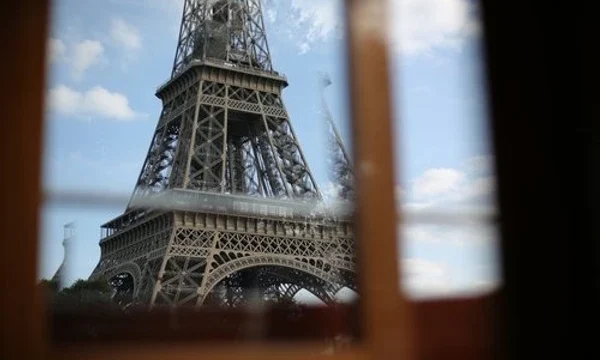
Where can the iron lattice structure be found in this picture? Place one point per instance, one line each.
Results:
(341, 171)
(225, 206)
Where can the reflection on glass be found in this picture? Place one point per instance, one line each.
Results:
(243, 199)
(445, 171)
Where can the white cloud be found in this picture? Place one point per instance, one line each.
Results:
(125, 35)
(85, 54)
(303, 48)
(93, 102)
(112, 105)
(415, 26)
(56, 50)
(321, 16)
(420, 26)
(428, 279)
(64, 100)
(457, 234)
(444, 209)
(311, 21)
(447, 188)
(437, 181)
(422, 278)
(271, 15)
(420, 267)
(479, 190)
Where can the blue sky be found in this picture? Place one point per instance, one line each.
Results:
(106, 58)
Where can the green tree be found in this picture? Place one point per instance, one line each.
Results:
(82, 293)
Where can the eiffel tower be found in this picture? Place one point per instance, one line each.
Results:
(225, 207)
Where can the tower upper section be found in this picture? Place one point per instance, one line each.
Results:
(229, 31)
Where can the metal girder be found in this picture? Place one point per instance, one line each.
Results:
(226, 139)
(224, 129)
(227, 30)
(340, 167)
(176, 260)
(341, 171)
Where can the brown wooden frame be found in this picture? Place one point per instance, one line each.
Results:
(23, 39)
(531, 99)
(385, 315)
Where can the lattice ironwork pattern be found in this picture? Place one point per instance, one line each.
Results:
(228, 30)
(224, 131)
(178, 258)
(340, 167)
(220, 137)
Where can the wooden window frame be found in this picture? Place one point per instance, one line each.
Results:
(393, 327)
(385, 313)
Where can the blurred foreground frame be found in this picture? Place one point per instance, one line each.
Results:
(542, 311)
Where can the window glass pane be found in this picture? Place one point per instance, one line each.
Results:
(231, 189)
(445, 172)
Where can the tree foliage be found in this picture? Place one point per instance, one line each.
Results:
(82, 293)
